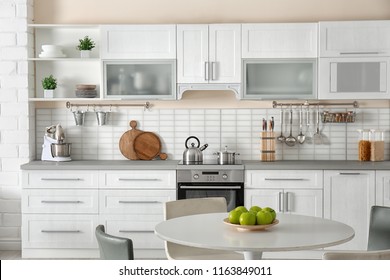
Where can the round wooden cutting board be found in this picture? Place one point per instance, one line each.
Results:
(147, 146)
(126, 143)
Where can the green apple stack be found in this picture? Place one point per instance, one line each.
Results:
(254, 216)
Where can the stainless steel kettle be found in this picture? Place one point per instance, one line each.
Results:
(193, 155)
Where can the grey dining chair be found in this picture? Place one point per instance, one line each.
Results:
(113, 247)
(378, 246)
(192, 206)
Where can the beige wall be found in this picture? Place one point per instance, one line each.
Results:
(209, 11)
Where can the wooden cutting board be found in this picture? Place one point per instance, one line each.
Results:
(147, 146)
(126, 143)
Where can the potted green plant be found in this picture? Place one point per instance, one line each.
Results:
(85, 46)
(49, 84)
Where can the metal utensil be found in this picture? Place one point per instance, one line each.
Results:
(301, 137)
(317, 138)
(290, 140)
(281, 138)
(309, 133)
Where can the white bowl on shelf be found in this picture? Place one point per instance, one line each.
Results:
(51, 48)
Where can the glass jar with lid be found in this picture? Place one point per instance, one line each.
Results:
(377, 143)
(364, 152)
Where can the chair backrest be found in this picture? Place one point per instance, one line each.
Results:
(365, 255)
(113, 247)
(192, 206)
(379, 230)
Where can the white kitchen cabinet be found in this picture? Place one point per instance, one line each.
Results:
(293, 191)
(133, 41)
(348, 197)
(383, 188)
(354, 38)
(60, 210)
(131, 205)
(279, 40)
(70, 69)
(208, 54)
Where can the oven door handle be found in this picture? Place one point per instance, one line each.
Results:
(210, 187)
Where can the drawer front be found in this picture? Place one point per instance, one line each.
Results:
(69, 179)
(60, 201)
(284, 179)
(134, 201)
(139, 228)
(59, 231)
(139, 179)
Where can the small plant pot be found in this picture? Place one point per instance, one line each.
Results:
(48, 93)
(85, 54)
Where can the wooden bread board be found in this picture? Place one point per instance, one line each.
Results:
(147, 146)
(126, 143)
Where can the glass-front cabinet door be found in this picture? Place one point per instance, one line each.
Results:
(146, 79)
(280, 79)
(354, 78)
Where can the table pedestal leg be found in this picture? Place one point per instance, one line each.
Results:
(250, 255)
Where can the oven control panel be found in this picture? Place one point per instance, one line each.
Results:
(212, 176)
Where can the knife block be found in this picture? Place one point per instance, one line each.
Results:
(267, 146)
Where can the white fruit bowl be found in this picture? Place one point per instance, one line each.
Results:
(250, 228)
(51, 48)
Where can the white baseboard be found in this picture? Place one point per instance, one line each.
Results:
(10, 245)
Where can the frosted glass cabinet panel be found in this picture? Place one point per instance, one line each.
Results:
(354, 78)
(140, 79)
(280, 79)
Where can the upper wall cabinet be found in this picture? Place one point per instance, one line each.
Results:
(138, 41)
(208, 54)
(354, 38)
(279, 40)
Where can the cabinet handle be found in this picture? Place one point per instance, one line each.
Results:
(213, 70)
(206, 71)
(287, 194)
(280, 200)
(353, 173)
(349, 53)
(285, 179)
(60, 231)
(138, 180)
(137, 231)
(61, 179)
(138, 202)
(61, 201)
(210, 187)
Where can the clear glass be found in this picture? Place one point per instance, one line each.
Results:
(358, 76)
(377, 141)
(140, 79)
(364, 145)
(279, 78)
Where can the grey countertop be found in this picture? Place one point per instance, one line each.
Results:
(173, 164)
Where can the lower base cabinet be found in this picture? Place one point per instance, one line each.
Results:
(348, 197)
(61, 211)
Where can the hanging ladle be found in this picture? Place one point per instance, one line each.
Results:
(281, 138)
(301, 137)
(290, 140)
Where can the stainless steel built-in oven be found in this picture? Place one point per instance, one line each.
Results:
(198, 183)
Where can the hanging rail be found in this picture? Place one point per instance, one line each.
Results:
(146, 105)
(354, 104)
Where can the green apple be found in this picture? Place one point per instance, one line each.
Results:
(242, 208)
(234, 216)
(272, 211)
(255, 208)
(264, 217)
(248, 219)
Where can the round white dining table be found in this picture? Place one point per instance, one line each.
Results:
(292, 233)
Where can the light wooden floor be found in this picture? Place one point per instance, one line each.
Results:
(10, 255)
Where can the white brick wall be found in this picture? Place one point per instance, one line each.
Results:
(15, 128)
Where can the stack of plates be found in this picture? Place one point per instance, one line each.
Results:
(51, 51)
(86, 91)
